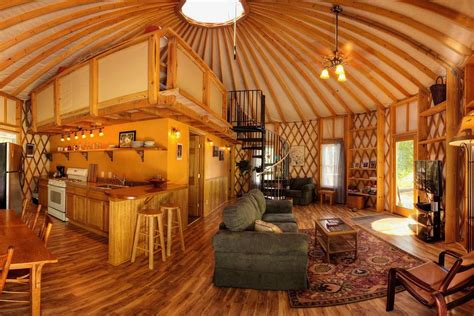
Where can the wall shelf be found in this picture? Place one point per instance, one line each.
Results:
(109, 152)
(432, 140)
(434, 109)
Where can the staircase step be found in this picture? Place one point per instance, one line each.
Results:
(252, 147)
(257, 156)
(250, 139)
(242, 129)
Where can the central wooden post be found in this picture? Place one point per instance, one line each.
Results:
(380, 159)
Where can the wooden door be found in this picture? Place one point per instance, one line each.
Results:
(80, 209)
(95, 214)
(196, 161)
(403, 171)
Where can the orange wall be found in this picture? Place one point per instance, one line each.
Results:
(128, 164)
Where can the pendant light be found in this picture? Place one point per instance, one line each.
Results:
(335, 61)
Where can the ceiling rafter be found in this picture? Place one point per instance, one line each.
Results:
(360, 55)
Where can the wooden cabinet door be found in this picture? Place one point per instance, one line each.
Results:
(95, 214)
(80, 209)
(43, 195)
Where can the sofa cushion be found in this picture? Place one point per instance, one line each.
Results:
(261, 226)
(287, 227)
(241, 216)
(293, 193)
(279, 218)
(259, 198)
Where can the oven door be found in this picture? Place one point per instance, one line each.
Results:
(57, 198)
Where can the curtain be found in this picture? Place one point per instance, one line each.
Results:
(333, 169)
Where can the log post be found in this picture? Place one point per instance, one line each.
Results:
(452, 104)
(380, 159)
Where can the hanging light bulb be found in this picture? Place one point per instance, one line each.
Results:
(91, 135)
(83, 135)
(341, 77)
(75, 136)
(68, 138)
(339, 69)
(62, 138)
(324, 74)
(101, 133)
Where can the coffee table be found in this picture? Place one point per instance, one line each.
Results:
(335, 239)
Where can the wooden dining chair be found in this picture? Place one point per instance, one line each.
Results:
(30, 214)
(5, 261)
(45, 229)
(431, 282)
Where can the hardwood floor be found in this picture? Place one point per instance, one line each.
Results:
(82, 283)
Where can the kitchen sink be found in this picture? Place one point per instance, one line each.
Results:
(109, 186)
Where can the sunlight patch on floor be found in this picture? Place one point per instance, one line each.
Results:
(394, 226)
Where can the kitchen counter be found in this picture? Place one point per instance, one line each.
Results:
(139, 192)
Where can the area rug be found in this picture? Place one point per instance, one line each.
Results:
(345, 281)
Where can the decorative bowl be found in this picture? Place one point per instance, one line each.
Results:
(149, 143)
(157, 183)
(137, 144)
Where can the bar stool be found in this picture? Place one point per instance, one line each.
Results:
(170, 209)
(149, 217)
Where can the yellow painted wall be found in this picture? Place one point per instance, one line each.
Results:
(128, 164)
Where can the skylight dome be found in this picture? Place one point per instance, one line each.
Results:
(217, 12)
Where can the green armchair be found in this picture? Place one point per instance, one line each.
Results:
(301, 190)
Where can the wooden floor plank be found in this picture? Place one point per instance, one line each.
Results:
(82, 283)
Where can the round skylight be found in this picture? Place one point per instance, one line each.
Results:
(218, 12)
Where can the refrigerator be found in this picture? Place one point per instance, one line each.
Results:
(10, 172)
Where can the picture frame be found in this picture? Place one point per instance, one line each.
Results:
(215, 151)
(221, 155)
(297, 156)
(30, 150)
(373, 164)
(179, 151)
(365, 164)
(356, 165)
(126, 138)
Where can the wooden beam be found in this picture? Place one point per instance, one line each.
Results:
(153, 68)
(380, 160)
(93, 87)
(452, 109)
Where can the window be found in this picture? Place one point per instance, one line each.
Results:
(330, 167)
(7, 137)
(213, 11)
(404, 174)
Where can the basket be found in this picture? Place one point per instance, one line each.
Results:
(438, 91)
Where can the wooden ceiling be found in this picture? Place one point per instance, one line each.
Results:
(393, 48)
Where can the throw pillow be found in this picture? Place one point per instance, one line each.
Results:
(261, 226)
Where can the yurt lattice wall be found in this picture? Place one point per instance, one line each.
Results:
(363, 172)
(305, 134)
(38, 165)
(241, 179)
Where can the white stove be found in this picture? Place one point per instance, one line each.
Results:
(57, 191)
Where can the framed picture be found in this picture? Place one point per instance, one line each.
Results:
(355, 165)
(30, 150)
(126, 138)
(297, 156)
(221, 155)
(365, 164)
(179, 152)
(373, 164)
(215, 151)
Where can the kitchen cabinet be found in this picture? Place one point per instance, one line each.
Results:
(43, 193)
(88, 208)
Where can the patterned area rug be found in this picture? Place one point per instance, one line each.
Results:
(345, 281)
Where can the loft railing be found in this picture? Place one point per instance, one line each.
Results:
(246, 108)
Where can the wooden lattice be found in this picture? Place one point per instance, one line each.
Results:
(38, 165)
(241, 180)
(386, 156)
(363, 151)
(307, 134)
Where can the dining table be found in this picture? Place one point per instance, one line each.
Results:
(30, 252)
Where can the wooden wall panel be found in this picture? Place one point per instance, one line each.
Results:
(74, 90)
(189, 76)
(215, 193)
(306, 134)
(45, 104)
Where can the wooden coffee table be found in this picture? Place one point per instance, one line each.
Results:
(335, 239)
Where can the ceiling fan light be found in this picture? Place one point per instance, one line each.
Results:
(339, 69)
(341, 77)
(324, 74)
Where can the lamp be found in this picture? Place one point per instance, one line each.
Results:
(339, 69)
(75, 136)
(62, 138)
(91, 135)
(341, 77)
(210, 142)
(68, 137)
(101, 132)
(324, 74)
(175, 132)
(465, 139)
(83, 135)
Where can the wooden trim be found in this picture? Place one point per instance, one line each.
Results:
(93, 87)
(172, 63)
(404, 101)
(153, 68)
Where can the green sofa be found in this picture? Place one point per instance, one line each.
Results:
(245, 258)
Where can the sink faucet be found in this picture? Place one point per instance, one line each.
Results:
(121, 180)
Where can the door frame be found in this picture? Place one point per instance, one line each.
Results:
(201, 141)
(393, 192)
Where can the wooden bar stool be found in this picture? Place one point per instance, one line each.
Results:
(170, 209)
(149, 217)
